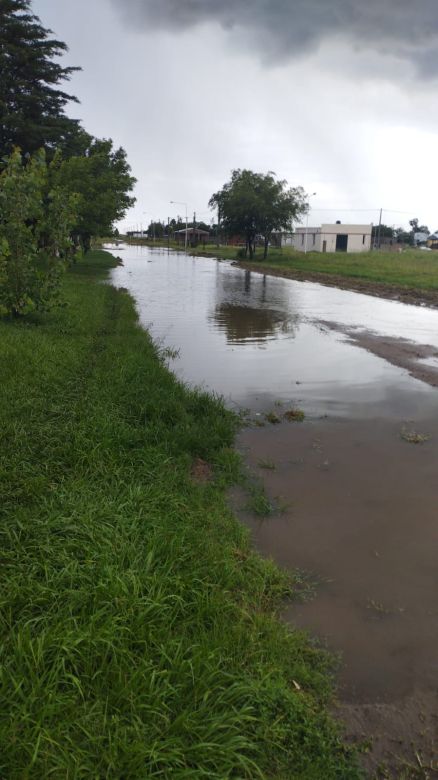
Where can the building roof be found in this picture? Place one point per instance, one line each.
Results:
(198, 231)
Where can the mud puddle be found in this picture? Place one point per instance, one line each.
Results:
(360, 515)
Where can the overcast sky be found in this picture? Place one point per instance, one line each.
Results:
(338, 96)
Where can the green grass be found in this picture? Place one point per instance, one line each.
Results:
(410, 269)
(138, 628)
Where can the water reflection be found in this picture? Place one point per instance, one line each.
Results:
(248, 309)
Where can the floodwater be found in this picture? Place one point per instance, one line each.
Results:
(257, 340)
(357, 480)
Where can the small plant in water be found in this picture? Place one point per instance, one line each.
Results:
(273, 418)
(259, 503)
(170, 354)
(267, 464)
(413, 437)
(294, 415)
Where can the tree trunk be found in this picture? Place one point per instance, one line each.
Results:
(265, 253)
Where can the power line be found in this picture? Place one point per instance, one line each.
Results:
(388, 211)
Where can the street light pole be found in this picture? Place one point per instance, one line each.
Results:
(182, 203)
(307, 226)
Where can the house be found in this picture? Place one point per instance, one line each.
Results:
(432, 241)
(331, 238)
(137, 234)
(195, 236)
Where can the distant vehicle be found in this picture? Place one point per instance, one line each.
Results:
(425, 248)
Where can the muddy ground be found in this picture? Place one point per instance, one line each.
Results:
(378, 289)
(360, 516)
(421, 360)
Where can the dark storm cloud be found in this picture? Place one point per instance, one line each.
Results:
(286, 28)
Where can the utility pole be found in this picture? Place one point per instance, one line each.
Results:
(307, 224)
(379, 233)
(168, 233)
(182, 203)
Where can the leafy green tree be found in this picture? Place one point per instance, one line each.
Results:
(253, 204)
(36, 216)
(102, 178)
(31, 100)
(402, 236)
(382, 231)
(155, 230)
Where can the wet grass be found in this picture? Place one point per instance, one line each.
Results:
(294, 415)
(267, 464)
(273, 418)
(413, 437)
(138, 628)
(412, 268)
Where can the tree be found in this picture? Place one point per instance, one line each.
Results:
(402, 236)
(31, 101)
(155, 230)
(36, 216)
(102, 178)
(385, 231)
(381, 231)
(255, 203)
(417, 228)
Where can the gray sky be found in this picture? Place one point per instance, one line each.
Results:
(335, 95)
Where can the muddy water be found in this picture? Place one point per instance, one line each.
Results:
(360, 500)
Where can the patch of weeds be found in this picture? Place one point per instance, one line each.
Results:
(267, 464)
(294, 415)
(228, 466)
(259, 502)
(365, 746)
(273, 418)
(421, 769)
(168, 353)
(413, 437)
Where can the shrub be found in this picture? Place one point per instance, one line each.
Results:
(35, 220)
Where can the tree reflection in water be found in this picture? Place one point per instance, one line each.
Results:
(251, 307)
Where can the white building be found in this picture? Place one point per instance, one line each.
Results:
(331, 238)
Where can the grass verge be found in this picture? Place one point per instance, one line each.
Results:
(139, 637)
(411, 269)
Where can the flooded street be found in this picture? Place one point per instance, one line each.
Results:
(357, 481)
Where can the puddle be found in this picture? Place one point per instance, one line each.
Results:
(361, 517)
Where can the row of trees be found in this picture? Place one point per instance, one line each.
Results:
(158, 230)
(59, 186)
(383, 233)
